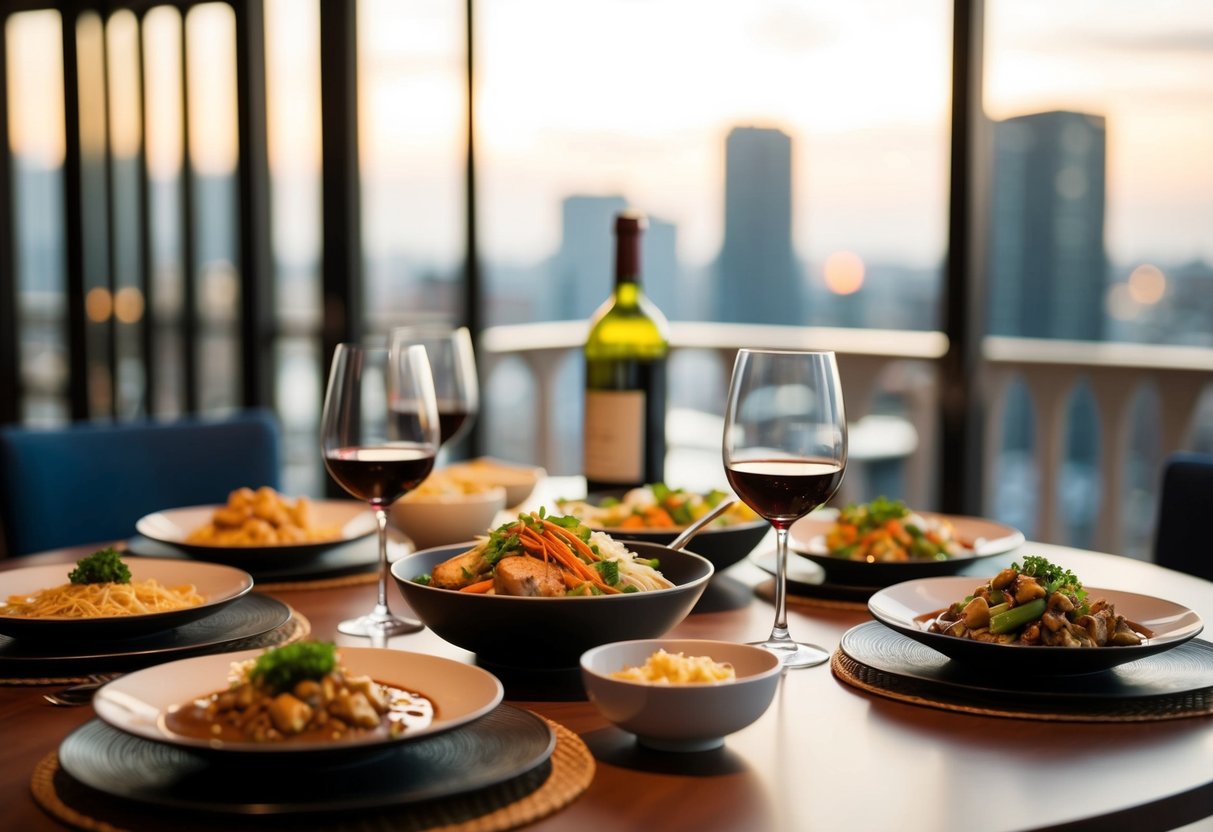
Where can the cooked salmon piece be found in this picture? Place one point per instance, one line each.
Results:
(460, 570)
(528, 576)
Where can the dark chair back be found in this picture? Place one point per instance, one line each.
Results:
(1185, 508)
(90, 482)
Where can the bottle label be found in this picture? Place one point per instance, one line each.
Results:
(614, 435)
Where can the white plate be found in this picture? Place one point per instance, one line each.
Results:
(909, 607)
(218, 585)
(173, 526)
(139, 702)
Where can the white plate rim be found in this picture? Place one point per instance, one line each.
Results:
(172, 525)
(900, 605)
(814, 544)
(138, 702)
(219, 584)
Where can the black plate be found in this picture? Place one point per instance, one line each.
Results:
(508, 743)
(251, 616)
(343, 559)
(1186, 669)
(807, 580)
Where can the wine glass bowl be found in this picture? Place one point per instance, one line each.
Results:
(379, 436)
(453, 367)
(785, 452)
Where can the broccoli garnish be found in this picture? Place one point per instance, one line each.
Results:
(103, 567)
(282, 668)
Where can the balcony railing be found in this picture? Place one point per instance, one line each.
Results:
(904, 364)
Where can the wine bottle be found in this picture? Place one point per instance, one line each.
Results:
(625, 376)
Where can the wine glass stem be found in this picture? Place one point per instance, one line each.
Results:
(381, 520)
(780, 630)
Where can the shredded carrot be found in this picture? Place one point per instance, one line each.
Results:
(479, 586)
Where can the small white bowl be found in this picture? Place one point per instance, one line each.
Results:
(517, 479)
(692, 717)
(440, 519)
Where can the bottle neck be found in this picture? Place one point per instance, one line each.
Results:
(627, 258)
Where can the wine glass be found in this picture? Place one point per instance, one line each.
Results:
(454, 370)
(374, 457)
(785, 450)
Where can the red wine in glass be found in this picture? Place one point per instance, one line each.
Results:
(451, 419)
(380, 475)
(784, 490)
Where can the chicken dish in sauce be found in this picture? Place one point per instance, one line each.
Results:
(300, 692)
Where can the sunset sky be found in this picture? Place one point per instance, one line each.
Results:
(632, 97)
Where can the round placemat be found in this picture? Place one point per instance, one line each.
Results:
(508, 805)
(295, 628)
(1172, 685)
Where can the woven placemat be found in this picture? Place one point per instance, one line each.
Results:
(1179, 706)
(359, 579)
(766, 591)
(296, 628)
(508, 805)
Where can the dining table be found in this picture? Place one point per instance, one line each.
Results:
(826, 755)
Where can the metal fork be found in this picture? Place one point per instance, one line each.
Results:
(81, 694)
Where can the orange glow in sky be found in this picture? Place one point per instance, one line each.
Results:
(843, 273)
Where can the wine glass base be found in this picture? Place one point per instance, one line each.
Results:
(372, 626)
(795, 655)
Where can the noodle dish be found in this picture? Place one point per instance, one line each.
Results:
(109, 595)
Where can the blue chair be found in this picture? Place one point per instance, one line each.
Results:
(90, 482)
(1185, 506)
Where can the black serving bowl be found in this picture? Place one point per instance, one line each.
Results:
(550, 632)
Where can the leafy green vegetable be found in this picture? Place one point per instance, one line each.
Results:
(424, 580)
(103, 567)
(1051, 576)
(609, 570)
(873, 514)
(282, 668)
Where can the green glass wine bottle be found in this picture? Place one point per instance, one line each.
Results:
(625, 376)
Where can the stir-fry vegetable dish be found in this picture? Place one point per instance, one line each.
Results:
(886, 530)
(656, 506)
(537, 555)
(1037, 603)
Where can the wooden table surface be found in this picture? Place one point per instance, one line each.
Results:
(824, 756)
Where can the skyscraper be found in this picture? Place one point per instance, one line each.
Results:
(1047, 266)
(757, 276)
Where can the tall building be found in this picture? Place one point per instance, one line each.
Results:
(1047, 267)
(757, 277)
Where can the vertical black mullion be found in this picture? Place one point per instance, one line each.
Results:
(10, 361)
(189, 268)
(110, 202)
(256, 257)
(340, 189)
(473, 307)
(964, 318)
(147, 332)
(73, 223)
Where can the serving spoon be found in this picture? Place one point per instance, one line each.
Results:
(694, 529)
